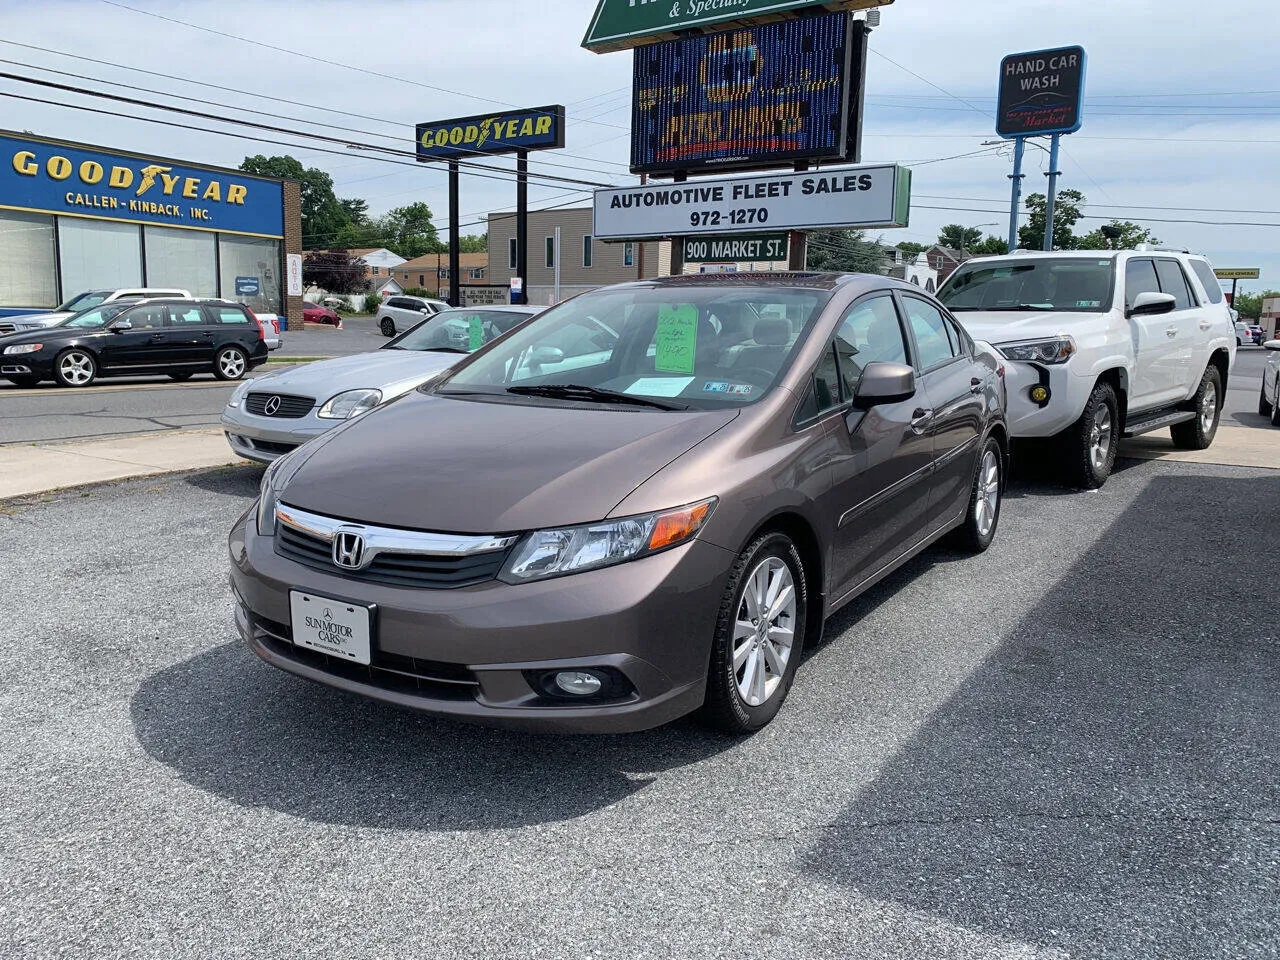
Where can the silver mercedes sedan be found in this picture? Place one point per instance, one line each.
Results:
(269, 416)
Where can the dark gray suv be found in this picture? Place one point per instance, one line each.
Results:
(643, 502)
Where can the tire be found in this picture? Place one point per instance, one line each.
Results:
(983, 516)
(230, 363)
(1198, 433)
(75, 368)
(26, 383)
(387, 326)
(1275, 407)
(1089, 445)
(729, 704)
(181, 376)
(1265, 406)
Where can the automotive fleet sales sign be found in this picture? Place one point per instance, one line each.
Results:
(1041, 92)
(862, 196)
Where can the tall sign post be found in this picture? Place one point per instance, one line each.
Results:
(1041, 93)
(514, 131)
(1235, 275)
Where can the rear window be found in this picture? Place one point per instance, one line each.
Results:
(1207, 279)
(229, 315)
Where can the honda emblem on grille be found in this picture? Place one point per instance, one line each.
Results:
(348, 549)
(271, 407)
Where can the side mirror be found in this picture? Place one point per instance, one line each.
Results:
(884, 383)
(1272, 345)
(120, 326)
(545, 355)
(1150, 304)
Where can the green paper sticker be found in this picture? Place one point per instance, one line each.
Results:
(476, 330)
(676, 338)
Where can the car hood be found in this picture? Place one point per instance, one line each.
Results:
(46, 334)
(40, 319)
(391, 371)
(1008, 326)
(460, 466)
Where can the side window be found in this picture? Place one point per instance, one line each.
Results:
(230, 315)
(1139, 277)
(1208, 280)
(932, 337)
(869, 332)
(961, 336)
(148, 318)
(186, 316)
(826, 383)
(1173, 281)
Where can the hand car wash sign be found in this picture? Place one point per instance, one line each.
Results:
(49, 176)
(1041, 92)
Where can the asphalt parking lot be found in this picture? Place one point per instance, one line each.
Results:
(1066, 747)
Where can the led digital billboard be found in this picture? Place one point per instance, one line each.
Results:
(750, 98)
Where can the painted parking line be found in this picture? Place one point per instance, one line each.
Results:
(120, 387)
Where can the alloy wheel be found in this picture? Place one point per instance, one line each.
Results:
(764, 632)
(76, 368)
(231, 363)
(1100, 437)
(988, 493)
(1208, 408)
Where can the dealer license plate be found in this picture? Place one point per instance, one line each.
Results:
(330, 626)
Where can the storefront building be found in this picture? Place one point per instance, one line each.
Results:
(75, 217)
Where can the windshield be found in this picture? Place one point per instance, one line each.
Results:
(705, 347)
(83, 301)
(97, 317)
(1078, 285)
(458, 331)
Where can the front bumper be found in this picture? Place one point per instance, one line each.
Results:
(1026, 418)
(38, 364)
(268, 438)
(475, 652)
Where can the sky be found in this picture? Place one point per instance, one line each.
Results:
(1177, 116)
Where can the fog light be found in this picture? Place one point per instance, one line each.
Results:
(578, 682)
(1040, 394)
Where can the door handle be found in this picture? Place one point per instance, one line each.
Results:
(976, 384)
(1170, 331)
(920, 420)
(1206, 324)
(157, 336)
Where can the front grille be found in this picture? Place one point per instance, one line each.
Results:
(7, 328)
(395, 569)
(271, 446)
(291, 407)
(387, 671)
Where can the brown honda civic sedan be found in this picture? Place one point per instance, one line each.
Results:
(644, 502)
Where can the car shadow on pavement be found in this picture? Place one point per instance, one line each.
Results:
(1105, 783)
(241, 480)
(230, 725)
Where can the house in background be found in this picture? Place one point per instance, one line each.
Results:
(912, 267)
(430, 272)
(378, 261)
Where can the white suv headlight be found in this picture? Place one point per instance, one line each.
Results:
(350, 403)
(1051, 350)
(554, 553)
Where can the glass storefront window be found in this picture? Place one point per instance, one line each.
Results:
(27, 267)
(98, 254)
(182, 258)
(247, 259)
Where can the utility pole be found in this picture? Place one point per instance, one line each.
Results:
(1019, 147)
(522, 224)
(1053, 191)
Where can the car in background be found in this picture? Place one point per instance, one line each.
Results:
(270, 416)
(179, 338)
(403, 311)
(1269, 399)
(318, 313)
(603, 546)
(1248, 332)
(83, 301)
(270, 330)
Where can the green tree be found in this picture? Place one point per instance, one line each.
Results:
(989, 246)
(958, 237)
(323, 217)
(1250, 304)
(1066, 214)
(910, 249)
(844, 251)
(409, 231)
(473, 243)
(1131, 234)
(334, 271)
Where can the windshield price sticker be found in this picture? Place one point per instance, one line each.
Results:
(676, 338)
(475, 333)
(870, 196)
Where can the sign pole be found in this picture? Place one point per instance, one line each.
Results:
(555, 298)
(1234, 281)
(455, 247)
(1053, 192)
(522, 222)
(1019, 147)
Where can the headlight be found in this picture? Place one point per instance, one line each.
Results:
(350, 404)
(1053, 350)
(238, 396)
(554, 553)
(268, 500)
(22, 348)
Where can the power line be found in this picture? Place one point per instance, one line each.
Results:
(1120, 206)
(314, 59)
(1086, 216)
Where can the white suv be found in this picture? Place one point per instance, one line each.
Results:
(1102, 345)
(85, 301)
(400, 313)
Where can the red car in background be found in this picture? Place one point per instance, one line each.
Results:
(315, 313)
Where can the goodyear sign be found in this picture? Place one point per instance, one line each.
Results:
(539, 128)
(50, 176)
